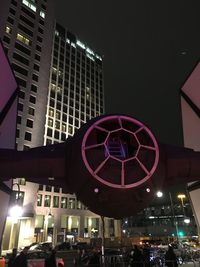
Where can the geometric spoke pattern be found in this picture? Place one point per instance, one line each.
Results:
(120, 152)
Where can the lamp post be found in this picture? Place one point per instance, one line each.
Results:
(175, 222)
(14, 213)
(16, 210)
(46, 224)
(182, 197)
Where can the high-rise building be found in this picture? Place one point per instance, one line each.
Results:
(61, 87)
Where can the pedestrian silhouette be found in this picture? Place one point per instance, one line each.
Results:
(51, 260)
(12, 257)
(21, 259)
(170, 258)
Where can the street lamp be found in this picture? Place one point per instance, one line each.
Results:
(159, 194)
(16, 211)
(182, 197)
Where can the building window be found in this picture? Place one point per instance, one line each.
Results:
(37, 57)
(39, 200)
(6, 39)
(79, 205)
(36, 67)
(8, 30)
(32, 99)
(56, 201)
(22, 49)
(23, 39)
(47, 201)
(22, 181)
(17, 196)
(64, 202)
(50, 122)
(40, 30)
(27, 21)
(31, 111)
(40, 187)
(51, 112)
(19, 119)
(42, 14)
(72, 203)
(56, 189)
(29, 4)
(48, 188)
(20, 69)
(20, 106)
(29, 123)
(34, 88)
(25, 30)
(21, 59)
(35, 77)
(28, 136)
(21, 94)
(17, 133)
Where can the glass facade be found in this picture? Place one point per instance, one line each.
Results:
(75, 87)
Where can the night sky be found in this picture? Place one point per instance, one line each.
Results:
(149, 49)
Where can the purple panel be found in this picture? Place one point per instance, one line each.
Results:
(128, 148)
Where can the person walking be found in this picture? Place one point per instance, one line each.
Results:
(12, 257)
(170, 258)
(21, 259)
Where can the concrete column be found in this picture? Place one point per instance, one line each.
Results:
(117, 228)
(81, 226)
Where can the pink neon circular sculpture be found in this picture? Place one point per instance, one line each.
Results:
(124, 145)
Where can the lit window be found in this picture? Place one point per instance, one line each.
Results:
(42, 14)
(8, 30)
(73, 44)
(39, 200)
(57, 124)
(50, 122)
(97, 56)
(29, 5)
(64, 127)
(55, 201)
(22, 181)
(51, 112)
(89, 56)
(47, 201)
(23, 39)
(72, 203)
(79, 43)
(89, 51)
(58, 115)
(63, 202)
(53, 86)
(70, 129)
(56, 33)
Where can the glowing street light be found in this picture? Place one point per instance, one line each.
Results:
(159, 194)
(16, 211)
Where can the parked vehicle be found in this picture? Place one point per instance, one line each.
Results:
(63, 246)
(36, 258)
(81, 245)
(45, 246)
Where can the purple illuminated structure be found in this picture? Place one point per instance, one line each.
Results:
(113, 164)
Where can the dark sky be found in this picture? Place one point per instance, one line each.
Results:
(149, 49)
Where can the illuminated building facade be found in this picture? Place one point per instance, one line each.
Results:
(61, 87)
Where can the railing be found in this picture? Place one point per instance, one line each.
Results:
(122, 261)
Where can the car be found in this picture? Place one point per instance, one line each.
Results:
(45, 246)
(81, 245)
(36, 258)
(63, 246)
